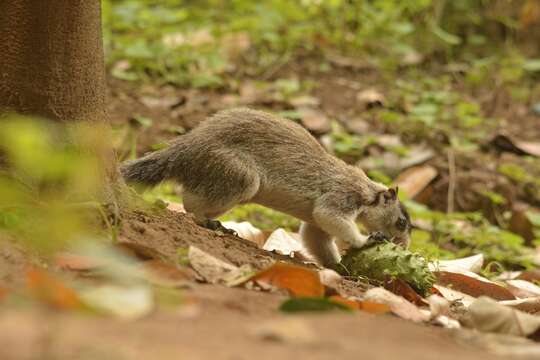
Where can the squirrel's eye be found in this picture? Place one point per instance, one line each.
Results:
(401, 224)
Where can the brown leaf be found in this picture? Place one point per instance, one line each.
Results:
(520, 222)
(300, 281)
(401, 288)
(506, 143)
(530, 13)
(529, 305)
(530, 275)
(472, 286)
(50, 290)
(370, 97)
(314, 120)
(413, 180)
(75, 262)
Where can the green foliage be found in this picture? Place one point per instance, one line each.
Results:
(458, 235)
(261, 217)
(48, 190)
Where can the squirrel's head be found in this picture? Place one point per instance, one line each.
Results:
(389, 216)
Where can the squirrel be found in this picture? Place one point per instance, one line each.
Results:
(243, 155)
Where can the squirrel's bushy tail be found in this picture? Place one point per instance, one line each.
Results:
(150, 169)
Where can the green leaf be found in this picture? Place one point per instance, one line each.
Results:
(310, 304)
(445, 36)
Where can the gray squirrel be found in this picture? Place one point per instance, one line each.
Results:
(242, 155)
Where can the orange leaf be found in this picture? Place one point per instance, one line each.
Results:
(350, 303)
(300, 281)
(401, 288)
(374, 308)
(50, 290)
(472, 286)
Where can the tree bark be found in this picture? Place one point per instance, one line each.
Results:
(52, 61)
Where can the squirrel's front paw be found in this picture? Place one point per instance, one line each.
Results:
(376, 238)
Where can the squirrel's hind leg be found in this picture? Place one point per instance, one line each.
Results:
(319, 244)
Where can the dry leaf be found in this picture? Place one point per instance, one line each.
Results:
(487, 315)
(210, 268)
(304, 101)
(50, 290)
(506, 143)
(314, 120)
(473, 286)
(125, 302)
(523, 288)
(374, 308)
(176, 207)
(520, 222)
(76, 262)
(283, 243)
(529, 305)
(246, 231)
(330, 278)
(454, 295)
(413, 180)
(401, 288)
(299, 281)
(463, 266)
(370, 97)
(355, 305)
(397, 304)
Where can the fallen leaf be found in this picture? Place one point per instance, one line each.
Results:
(282, 243)
(507, 143)
(487, 315)
(401, 288)
(50, 290)
(76, 262)
(374, 308)
(523, 288)
(473, 286)
(304, 101)
(247, 231)
(125, 302)
(454, 295)
(520, 223)
(357, 126)
(330, 278)
(413, 180)
(530, 275)
(397, 304)
(176, 207)
(529, 305)
(299, 281)
(314, 120)
(468, 264)
(355, 305)
(370, 97)
(311, 304)
(210, 268)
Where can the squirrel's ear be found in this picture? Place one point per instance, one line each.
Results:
(390, 195)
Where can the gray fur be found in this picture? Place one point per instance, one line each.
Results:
(244, 155)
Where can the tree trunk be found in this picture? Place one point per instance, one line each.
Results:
(51, 61)
(52, 65)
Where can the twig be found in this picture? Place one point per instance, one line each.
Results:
(451, 181)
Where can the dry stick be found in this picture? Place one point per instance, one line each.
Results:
(451, 181)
